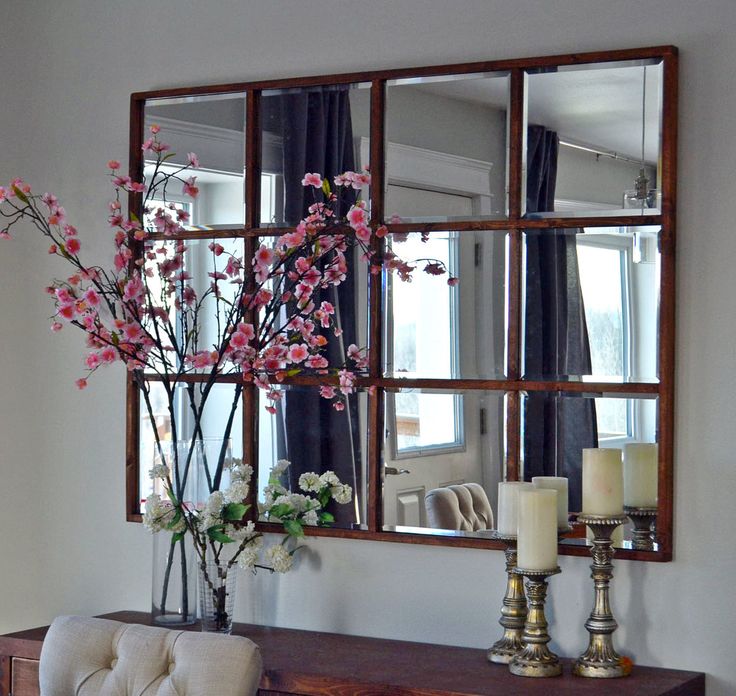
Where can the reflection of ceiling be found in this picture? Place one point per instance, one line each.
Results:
(600, 107)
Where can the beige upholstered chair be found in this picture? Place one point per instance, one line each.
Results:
(98, 657)
(464, 507)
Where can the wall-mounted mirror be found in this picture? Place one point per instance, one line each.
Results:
(546, 185)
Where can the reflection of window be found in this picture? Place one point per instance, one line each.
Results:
(423, 340)
(604, 278)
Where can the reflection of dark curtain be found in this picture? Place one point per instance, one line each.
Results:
(317, 137)
(556, 344)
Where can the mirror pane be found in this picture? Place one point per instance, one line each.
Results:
(315, 437)
(194, 278)
(593, 140)
(557, 427)
(591, 304)
(446, 147)
(316, 129)
(222, 406)
(213, 128)
(435, 440)
(446, 331)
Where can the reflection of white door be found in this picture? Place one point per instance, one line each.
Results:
(403, 493)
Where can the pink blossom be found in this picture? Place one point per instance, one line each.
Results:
(298, 353)
(108, 354)
(347, 380)
(327, 392)
(63, 296)
(395, 219)
(312, 180)
(204, 359)
(92, 297)
(56, 327)
(70, 230)
(155, 128)
(453, 281)
(357, 216)
(189, 188)
(271, 409)
(363, 233)
(132, 332)
(434, 269)
(72, 245)
(58, 215)
(316, 362)
(81, 383)
(381, 231)
(193, 160)
(4, 234)
(134, 288)
(264, 255)
(92, 361)
(113, 164)
(216, 248)
(3, 193)
(338, 406)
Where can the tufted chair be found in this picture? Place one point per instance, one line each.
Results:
(97, 657)
(464, 507)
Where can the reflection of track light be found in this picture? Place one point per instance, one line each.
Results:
(642, 196)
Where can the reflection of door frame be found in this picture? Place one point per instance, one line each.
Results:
(416, 167)
(430, 170)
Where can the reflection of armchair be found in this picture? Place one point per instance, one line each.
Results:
(463, 507)
(97, 656)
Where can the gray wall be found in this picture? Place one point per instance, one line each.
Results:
(65, 547)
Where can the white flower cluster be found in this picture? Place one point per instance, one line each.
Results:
(249, 555)
(279, 558)
(212, 513)
(159, 471)
(310, 482)
(159, 514)
(240, 476)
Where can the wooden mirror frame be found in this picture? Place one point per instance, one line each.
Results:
(514, 385)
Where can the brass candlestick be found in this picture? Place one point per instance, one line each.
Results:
(535, 659)
(600, 659)
(645, 526)
(514, 609)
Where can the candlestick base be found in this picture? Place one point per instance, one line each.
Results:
(514, 609)
(645, 526)
(536, 659)
(601, 660)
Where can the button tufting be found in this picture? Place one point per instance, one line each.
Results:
(171, 667)
(113, 663)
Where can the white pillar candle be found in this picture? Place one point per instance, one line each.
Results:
(537, 542)
(640, 474)
(508, 506)
(603, 482)
(559, 484)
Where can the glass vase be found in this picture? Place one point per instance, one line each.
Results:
(217, 584)
(174, 588)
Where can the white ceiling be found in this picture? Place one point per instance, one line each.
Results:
(600, 107)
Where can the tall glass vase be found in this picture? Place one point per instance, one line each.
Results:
(197, 467)
(174, 589)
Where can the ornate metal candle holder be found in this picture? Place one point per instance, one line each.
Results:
(535, 659)
(600, 659)
(645, 526)
(514, 609)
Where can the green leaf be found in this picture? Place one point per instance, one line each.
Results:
(280, 510)
(294, 528)
(324, 496)
(326, 187)
(326, 517)
(134, 217)
(172, 497)
(115, 339)
(175, 520)
(217, 535)
(177, 537)
(293, 372)
(233, 512)
(21, 196)
(168, 156)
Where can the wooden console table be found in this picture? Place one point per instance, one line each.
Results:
(327, 664)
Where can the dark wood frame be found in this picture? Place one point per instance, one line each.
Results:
(515, 224)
